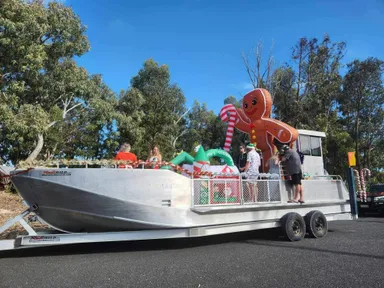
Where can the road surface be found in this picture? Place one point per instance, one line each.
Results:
(351, 255)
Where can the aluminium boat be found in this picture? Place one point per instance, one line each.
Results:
(103, 200)
(112, 199)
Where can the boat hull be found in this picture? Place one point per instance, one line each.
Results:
(101, 200)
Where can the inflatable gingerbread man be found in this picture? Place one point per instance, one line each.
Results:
(254, 119)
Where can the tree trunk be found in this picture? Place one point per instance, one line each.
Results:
(298, 102)
(357, 131)
(49, 155)
(38, 148)
(357, 143)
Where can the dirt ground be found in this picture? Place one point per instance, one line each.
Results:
(10, 206)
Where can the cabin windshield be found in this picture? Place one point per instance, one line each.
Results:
(310, 145)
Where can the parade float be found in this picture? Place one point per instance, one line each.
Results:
(186, 197)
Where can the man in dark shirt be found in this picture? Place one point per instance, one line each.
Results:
(242, 159)
(293, 163)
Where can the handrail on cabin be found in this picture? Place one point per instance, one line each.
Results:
(337, 177)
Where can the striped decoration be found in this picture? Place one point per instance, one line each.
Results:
(231, 110)
(364, 172)
(359, 189)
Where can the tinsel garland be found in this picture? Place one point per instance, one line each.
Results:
(106, 163)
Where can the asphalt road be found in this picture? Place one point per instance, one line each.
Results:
(351, 255)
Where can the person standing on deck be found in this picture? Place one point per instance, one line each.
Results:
(292, 160)
(253, 162)
(242, 159)
(251, 171)
(273, 165)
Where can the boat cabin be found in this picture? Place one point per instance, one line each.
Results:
(309, 143)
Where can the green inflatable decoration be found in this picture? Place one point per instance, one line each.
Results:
(221, 154)
(188, 159)
(182, 158)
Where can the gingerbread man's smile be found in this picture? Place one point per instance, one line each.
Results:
(253, 111)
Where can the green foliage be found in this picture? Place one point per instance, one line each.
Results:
(87, 132)
(232, 100)
(362, 105)
(312, 86)
(336, 145)
(306, 96)
(285, 106)
(377, 177)
(52, 108)
(204, 127)
(313, 95)
(44, 94)
(153, 110)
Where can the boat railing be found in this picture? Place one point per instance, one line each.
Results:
(327, 177)
(236, 191)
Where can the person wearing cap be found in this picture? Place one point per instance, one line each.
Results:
(292, 160)
(251, 170)
(253, 162)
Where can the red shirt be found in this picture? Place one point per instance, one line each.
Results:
(128, 156)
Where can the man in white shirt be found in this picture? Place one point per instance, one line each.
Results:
(252, 171)
(253, 162)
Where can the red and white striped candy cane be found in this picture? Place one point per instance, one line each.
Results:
(363, 185)
(231, 110)
(359, 189)
(364, 172)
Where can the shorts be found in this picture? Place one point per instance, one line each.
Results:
(249, 177)
(296, 178)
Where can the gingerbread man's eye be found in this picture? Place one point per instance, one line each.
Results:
(254, 102)
(245, 105)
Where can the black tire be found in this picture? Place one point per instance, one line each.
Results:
(293, 226)
(316, 224)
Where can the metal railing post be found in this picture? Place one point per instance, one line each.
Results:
(241, 190)
(209, 183)
(352, 193)
(192, 192)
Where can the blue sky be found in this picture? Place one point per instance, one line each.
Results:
(202, 40)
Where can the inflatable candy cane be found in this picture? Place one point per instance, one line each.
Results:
(367, 172)
(363, 185)
(364, 172)
(231, 110)
(359, 190)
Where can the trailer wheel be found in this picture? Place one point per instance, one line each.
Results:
(293, 226)
(316, 224)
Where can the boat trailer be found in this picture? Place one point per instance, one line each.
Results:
(54, 238)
